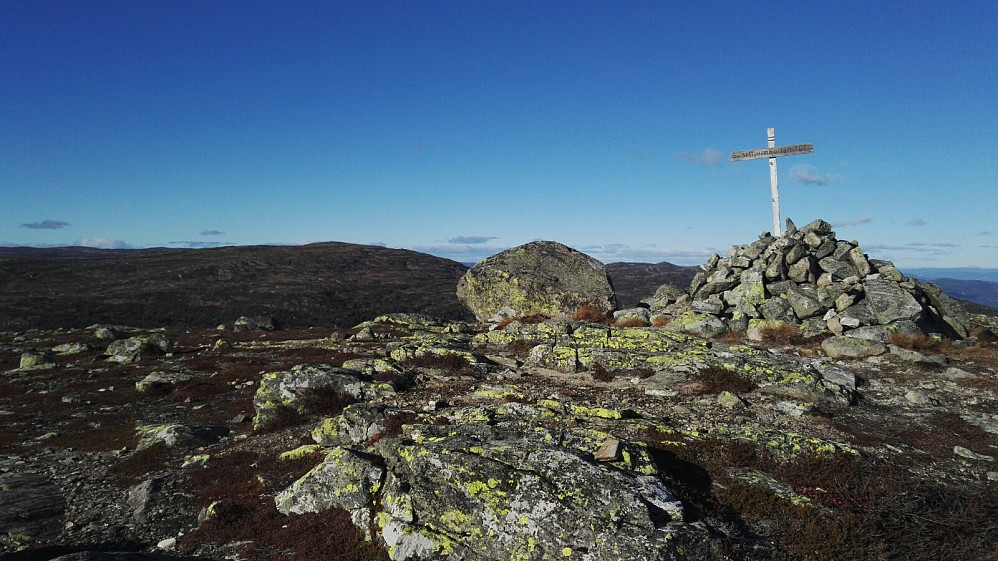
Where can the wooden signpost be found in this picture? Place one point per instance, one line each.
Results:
(773, 152)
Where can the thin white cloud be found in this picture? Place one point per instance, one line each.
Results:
(463, 253)
(103, 243)
(471, 240)
(707, 157)
(854, 222)
(199, 244)
(917, 247)
(46, 225)
(805, 174)
(613, 252)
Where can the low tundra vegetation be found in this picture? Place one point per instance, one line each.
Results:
(831, 507)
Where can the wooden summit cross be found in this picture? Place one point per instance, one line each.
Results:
(773, 152)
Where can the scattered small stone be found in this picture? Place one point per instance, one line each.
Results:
(609, 451)
(794, 408)
(920, 397)
(954, 373)
(729, 400)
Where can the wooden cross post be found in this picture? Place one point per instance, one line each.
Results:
(772, 152)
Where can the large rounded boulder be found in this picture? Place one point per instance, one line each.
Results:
(539, 277)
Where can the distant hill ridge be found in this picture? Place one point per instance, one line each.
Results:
(323, 284)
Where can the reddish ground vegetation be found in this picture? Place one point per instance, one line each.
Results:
(715, 379)
(591, 314)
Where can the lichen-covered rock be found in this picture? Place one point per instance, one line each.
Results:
(255, 323)
(951, 312)
(539, 277)
(700, 325)
(575, 347)
(348, 479)
(841, 346)
(633, 315)
(73, 348)
(35, 359)
(889, 302)
(499, 484)
(283, 389)
(665, 295)
(176, 435)
(131, 349)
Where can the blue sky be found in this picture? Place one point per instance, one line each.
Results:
(464, 128)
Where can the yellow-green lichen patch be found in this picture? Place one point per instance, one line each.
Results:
(197, 459)
(599, 412)
(300, 452)
(500, 394)
(781, 444)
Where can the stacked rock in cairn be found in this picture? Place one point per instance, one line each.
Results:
(808, 277)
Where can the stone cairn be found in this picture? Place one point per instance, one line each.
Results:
(808, 277)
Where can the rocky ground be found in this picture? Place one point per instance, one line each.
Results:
(661, 444)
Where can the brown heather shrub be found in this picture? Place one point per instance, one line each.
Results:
(443, 361)
(660, 321)
(920, 342)
(943, 432)
(631, 322)
(873, 509)
(522, 347)
(310, 406)
(9, 439)
(532, 317)
(97, 433)
(716, 379)
(732, 337)
(590, 313)
(600, 373)
(142, 462)
(398, 419)
(783, 334)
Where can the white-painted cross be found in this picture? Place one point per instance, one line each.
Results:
(773, 152)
